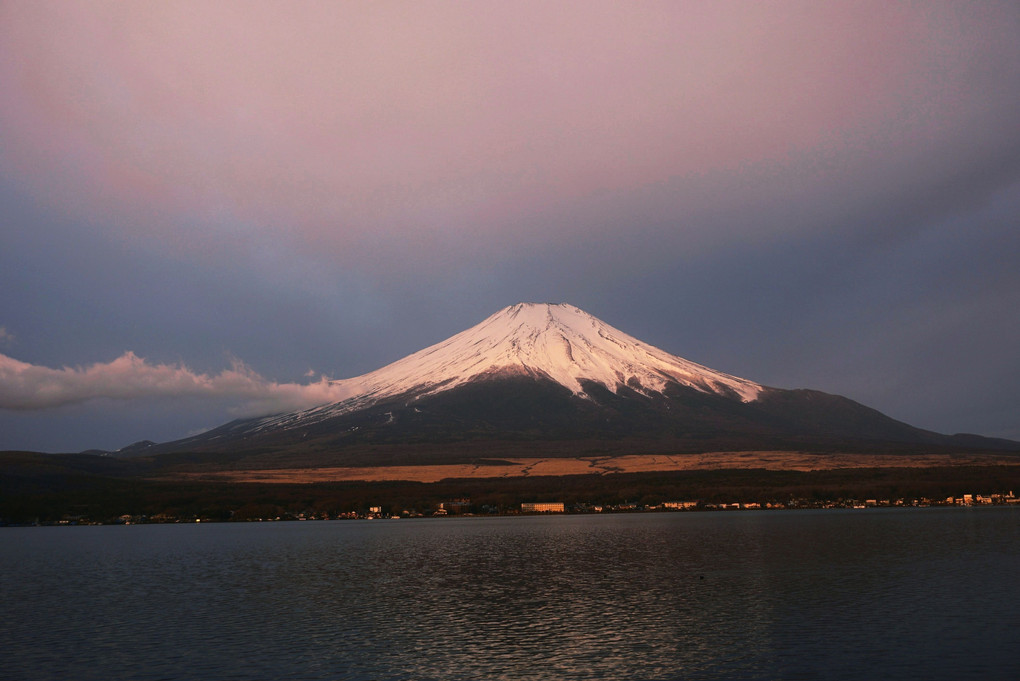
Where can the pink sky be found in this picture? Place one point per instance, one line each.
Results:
(350, 127)
(770, 188)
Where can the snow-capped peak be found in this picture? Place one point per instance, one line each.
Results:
(560, 342)
(557, 342)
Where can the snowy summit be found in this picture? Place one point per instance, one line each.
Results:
(557, 342)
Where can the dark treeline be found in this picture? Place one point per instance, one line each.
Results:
(102, 498)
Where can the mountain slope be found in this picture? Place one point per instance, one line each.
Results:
(557, 342)
(549, 379)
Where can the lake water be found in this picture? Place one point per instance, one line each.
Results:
(913, 593)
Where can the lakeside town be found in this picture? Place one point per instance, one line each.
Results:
(463, 507)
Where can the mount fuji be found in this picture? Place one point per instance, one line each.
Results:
(552, 380)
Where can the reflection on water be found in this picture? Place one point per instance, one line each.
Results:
(927, 593)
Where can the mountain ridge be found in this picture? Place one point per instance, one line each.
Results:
(544, 376)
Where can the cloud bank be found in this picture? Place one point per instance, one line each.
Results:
(26, 386)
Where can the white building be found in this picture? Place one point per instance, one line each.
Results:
(543, 507)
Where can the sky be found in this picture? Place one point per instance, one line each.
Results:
(210, 209)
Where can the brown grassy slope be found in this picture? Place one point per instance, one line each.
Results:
(533, 467)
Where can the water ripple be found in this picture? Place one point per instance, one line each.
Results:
(682, 596)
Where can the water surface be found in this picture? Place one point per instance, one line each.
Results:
(918, 593)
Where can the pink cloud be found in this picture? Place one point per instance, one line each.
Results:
(25, 386)
(346, 129)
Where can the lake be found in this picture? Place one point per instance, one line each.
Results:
(843, 594)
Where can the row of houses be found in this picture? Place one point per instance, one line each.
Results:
(965, 500)
(972, 499)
